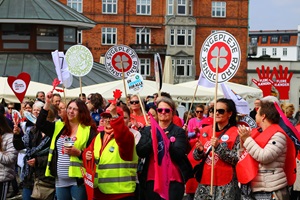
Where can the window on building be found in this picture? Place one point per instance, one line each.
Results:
(190, 7)
(79, 37)
(183, 67)
(263, 51)
(284, 51)
(274, 51)
(170, 7)
(143, 7)
(181, 7)
(264, 39)
(47, 37)
(254, 40)
(75, 4)
(274, 38)
(181, 37)
(285, 39)
(218, 9)
(145, 68)
(143, 36)
(15, 36)
(109, 6)
(109, 36)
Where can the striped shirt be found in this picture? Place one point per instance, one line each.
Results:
(63, 163)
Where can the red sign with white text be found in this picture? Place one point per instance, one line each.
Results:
(19, 84)
(279, 79)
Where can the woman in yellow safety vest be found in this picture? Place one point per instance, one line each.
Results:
(69, 138)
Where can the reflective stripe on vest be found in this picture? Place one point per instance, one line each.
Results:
(116, 175)
(82, 136)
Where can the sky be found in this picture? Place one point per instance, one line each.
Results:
(274, 14)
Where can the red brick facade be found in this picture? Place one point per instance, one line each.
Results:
(126, 21)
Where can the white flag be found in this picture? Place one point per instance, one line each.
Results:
(202, 81)
(240, 104)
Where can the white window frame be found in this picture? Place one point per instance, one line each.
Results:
(186, 64)
(110, 4)
(284, 51)
(181, 3)
(186, 33)
(170, 7)
(263, 51)
(106, 31)
(146, 64)
(79, 37)
(76, 5)
(274, 51)
(143, 36)
(190, 8)
(143, 4)
(218, 9)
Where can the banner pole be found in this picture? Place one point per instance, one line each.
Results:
(193, 99)
(80, 84)
(143, 109)
(123, 78)
(214, 127)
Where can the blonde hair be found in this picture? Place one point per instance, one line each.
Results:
(287, 107)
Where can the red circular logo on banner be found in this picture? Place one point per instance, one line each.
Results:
(121, 58)
(222, 49)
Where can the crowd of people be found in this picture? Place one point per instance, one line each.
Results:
(47, 144)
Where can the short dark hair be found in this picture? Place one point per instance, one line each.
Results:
(82, 95)
(165, 94)
(269, 110)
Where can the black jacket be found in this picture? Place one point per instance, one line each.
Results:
(41, 157)
(177, 151)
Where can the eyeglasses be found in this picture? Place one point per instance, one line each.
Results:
(166, 110)
(199, 111)
(135, 102)
(220, 111)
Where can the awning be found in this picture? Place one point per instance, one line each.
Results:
(42, 70)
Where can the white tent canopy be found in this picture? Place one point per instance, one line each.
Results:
(178, 93)
(246, 92)
(8, 95)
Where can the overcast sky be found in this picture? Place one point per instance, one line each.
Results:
(274, 14)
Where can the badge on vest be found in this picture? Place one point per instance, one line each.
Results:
(111, 149)
(224, 138)
(204, 135)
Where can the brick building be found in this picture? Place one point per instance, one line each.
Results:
(175, 28)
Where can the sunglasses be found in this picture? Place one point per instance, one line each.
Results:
(220, 111)
(135, 102)
(199, 111)
(166, 110)
(88, 98)
(10, 108)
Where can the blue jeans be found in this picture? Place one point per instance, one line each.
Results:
(73, 192)
(26, 194)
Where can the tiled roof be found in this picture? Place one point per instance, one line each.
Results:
(42, 70)
(42, 12)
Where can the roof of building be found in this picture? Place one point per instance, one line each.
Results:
(42, 12)
(274, 32)
(41, 69)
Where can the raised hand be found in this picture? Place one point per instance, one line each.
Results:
(263, 82)
(282, 82)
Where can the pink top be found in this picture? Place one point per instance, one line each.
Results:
(175, 174)
(193, 123)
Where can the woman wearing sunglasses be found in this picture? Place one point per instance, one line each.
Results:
(226, 144)
(136, 117)
(180, 166)
(195, 123)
